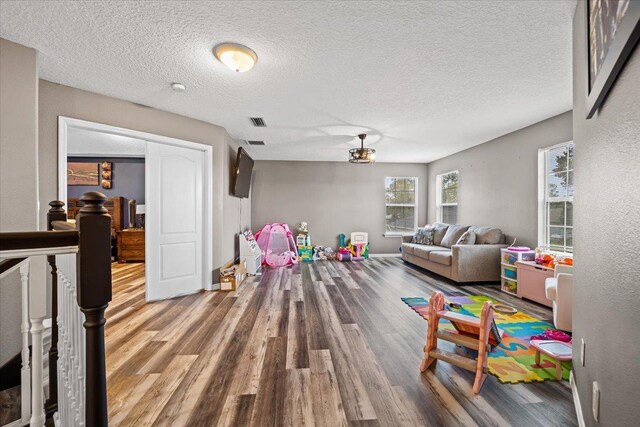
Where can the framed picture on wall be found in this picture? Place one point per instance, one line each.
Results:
(612, 32)
(106, 174)
(80, 173)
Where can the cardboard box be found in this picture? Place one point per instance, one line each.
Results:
(232, 276)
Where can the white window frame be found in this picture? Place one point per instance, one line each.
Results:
(414, 206)
(439, 204)
(543, 181)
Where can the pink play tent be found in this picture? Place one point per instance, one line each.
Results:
(277, 245)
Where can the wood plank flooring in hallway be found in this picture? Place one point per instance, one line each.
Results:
(319, 344)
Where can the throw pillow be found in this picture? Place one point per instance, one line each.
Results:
(467, 238)
(440, 230)
(423, 236)
(453, 234)
(486, 235)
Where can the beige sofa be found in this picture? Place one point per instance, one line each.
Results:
(478, 262)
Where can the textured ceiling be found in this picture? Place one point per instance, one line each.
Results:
(423, 79)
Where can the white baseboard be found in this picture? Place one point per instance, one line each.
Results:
(212, 287)
(576, 399)
(398, 255)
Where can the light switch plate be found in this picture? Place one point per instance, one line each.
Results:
(595, 402)
(582, 349)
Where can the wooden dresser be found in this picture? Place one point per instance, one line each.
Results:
(114, 206)
(131, 245)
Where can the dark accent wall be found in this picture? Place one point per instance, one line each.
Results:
(606, 292)
(127, 180)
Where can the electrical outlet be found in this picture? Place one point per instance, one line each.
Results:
(582, 349)
(595, 401)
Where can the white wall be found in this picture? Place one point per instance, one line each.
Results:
(499, 179)
(18, 172)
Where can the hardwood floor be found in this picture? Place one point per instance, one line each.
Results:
(322, 343)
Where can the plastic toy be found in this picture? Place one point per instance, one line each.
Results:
(343, 255)
(357, 249)
(303, 240)
(305, 253)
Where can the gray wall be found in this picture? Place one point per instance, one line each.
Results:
(127, 182)
(18, 172)
(332, 197)
(499, 179)
(58, 100)
(606, 297)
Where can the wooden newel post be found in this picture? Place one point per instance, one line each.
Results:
(94, 294)
(56, 213)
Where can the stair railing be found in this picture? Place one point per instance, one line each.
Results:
(79, 256)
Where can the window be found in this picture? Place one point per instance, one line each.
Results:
(401, 205)
(555, 188)
(447, 197)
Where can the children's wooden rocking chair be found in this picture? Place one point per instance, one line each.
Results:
(473, 333)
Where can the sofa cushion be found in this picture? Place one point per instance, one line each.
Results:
(441, 257)
(423, 251)
(407, 248)
(440, 231)
(423, 236)
(467, 238)
(486, 235)
(454, 232)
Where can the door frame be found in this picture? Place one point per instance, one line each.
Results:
(64, 123)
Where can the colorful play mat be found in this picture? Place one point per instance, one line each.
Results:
(513, 361)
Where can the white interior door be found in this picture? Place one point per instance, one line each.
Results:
(174, 220)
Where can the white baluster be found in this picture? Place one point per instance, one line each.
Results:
(60, 321)
(37, 391)
(25, 372)
(37, 313)
(71, 347)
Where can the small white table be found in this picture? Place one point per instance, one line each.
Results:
(557, 350)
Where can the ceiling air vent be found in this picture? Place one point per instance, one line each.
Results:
(258, 122)
(255, 142)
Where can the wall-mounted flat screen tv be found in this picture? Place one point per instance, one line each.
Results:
(241, 180)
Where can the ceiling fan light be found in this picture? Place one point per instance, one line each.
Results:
(362, 154)
(236, 56)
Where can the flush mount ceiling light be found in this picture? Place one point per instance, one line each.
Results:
(235, 56)
(362, 155)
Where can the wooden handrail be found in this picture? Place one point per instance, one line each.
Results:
(63, 225)
(19, 240)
